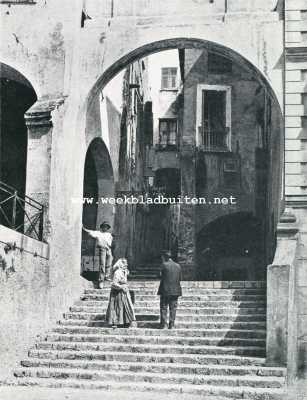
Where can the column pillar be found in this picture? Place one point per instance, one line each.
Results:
(281, 297)
(39, 123)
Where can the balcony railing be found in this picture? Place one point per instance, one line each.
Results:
(213, 140)
(23, 214)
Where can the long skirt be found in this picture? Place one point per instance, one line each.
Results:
(120, 308)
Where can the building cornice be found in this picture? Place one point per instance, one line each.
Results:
(296, 54)
(39, 115)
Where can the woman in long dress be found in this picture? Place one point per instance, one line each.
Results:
(120, 308)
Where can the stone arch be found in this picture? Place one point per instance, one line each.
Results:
(98, 184)
(17, 96)
(229, 247)
(273, 156)
(21, 74)
(176, 43)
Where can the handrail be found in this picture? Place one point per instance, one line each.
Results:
(21, 212)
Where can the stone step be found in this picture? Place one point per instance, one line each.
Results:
(182, 304)
(157, 368)
(209, 284)
(223, 285)
(144, 276)
(232, 333)
(185, 291)
(234, 317)
(179, 325)
(125, 376)
(190, 287)
(158, 340)
(255, 350)
(147, 273)
(120, 357)
(191, 298)
(194, 311)
(229, 392)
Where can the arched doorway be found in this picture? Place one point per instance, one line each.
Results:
(231, 248)
(239, 153)
(17, 96)
(98, 185)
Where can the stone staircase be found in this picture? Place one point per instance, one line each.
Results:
(217, 348)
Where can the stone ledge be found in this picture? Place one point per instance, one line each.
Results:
(296, 201)
(296, 53)
(39, 115)
(24, 242)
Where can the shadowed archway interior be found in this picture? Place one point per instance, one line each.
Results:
(17, 96)
(98, 183)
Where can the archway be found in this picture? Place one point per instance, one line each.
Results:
(245, 161)
(17, 96)
(98, 185)
(231, 248)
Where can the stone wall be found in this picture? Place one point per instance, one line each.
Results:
(255, 146)
(301, 291)
(247, 113)
(24, 303)
(296, 156)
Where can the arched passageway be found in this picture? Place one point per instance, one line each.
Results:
(222, 132)
(17, 96)
(98, 184)
(231, 248)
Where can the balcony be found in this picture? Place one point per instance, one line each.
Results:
(213, 140)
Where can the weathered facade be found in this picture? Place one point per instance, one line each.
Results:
(68, 61)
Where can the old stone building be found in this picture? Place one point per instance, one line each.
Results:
(199, 98)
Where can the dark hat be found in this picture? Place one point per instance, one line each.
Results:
(166, 254)
(105, 224)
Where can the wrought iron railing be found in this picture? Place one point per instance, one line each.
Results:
(213, 140)
(21, 213)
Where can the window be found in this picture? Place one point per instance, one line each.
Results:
(214, 117)
(169, 79)
(167, 132)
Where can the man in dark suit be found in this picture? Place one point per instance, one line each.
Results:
(169, 289)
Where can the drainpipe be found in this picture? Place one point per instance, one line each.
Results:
(112, 8)
(225, 10)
